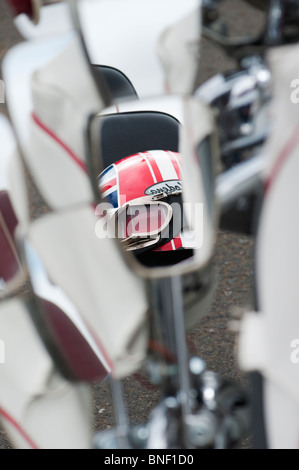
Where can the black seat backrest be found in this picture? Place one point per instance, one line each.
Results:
(118, 83)
(125, 134)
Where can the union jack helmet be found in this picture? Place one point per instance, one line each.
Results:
(144, 196)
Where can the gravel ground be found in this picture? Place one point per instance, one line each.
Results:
(213, 339)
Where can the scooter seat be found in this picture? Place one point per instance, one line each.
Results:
(127, 133)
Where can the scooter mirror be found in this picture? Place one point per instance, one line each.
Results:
(154, 162)
(159, 203)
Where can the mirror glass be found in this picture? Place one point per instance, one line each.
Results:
(154, 162)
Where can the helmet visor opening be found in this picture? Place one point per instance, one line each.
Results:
(142, 221)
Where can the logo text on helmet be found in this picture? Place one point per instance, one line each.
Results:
(166, 187)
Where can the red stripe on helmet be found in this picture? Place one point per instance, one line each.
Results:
(154, 167)
(176, 161)
(133, 177)
(177, 242)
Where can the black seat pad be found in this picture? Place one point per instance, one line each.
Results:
(125, 134)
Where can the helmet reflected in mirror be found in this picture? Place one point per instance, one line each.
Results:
(154, 164)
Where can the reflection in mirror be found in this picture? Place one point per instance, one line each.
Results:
(142, 184)
(153, 163)
(142, 173)
(144, 191)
